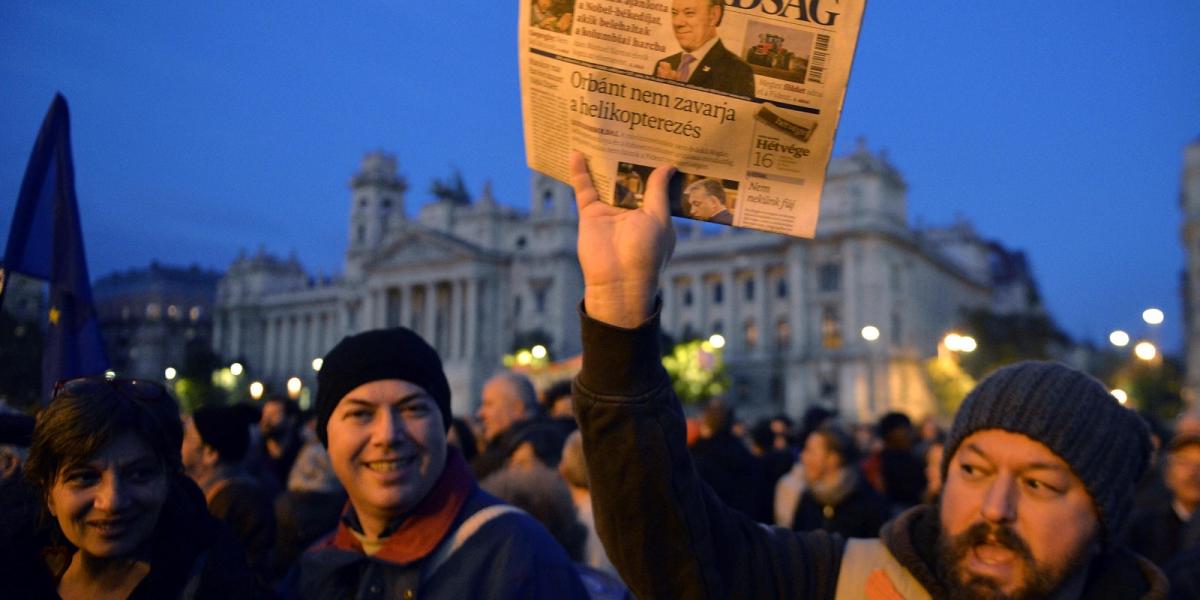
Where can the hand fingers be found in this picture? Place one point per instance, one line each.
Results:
(581, 180)
(656, 201)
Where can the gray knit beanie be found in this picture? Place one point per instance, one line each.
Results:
(1106, 445)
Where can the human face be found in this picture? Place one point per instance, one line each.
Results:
(387, 445)
(500, 408)
(815, 458)
(108, 506)
(1014, 519)
(273, 419)
(695, 22)
(1182, 475)
(701, 204)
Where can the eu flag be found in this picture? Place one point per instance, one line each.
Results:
(46, 242)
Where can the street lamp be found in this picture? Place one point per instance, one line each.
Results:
(539, 352)
(170, 373)
(953, 342)
(717, 340)
(1121, 396)
(1119, 338)
(236, 369)
(870, 333)
(317, 363)
(1152, 316)
(1145, 351)
(256, 390)
(294, 386)
(967, 344)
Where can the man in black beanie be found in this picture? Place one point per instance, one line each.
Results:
(1039, 467)
(417, 523)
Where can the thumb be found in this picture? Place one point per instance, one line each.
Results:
(581, 180)
(656, 202)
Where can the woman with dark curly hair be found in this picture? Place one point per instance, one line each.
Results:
(125, 522)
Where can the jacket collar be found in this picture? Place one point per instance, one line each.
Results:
(416, 534)
(912, 540)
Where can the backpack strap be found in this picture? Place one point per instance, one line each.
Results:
(864, 556)
(468, 528)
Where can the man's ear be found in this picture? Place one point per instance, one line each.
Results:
(209, 456)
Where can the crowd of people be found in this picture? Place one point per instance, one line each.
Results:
(1041, 485)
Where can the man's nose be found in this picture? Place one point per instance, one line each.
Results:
(389, 428)
(1000, 501)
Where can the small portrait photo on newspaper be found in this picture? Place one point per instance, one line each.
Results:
(703, 60)
(778, 52)
(552, 15)
(699, 197)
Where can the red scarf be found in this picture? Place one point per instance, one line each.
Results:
(423, 528)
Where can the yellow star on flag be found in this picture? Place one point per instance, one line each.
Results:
(54, 312)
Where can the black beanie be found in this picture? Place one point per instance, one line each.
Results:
(1106, 445)
(396, 353)
(226, 429)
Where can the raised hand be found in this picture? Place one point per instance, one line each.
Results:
(622, 251)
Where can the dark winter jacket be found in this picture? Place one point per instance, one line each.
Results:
(859, 514)
(248, 511)
(437, 551)
(727, 466)
(670, 537)
(1156, 532)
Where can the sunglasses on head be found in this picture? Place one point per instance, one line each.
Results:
(134, 389)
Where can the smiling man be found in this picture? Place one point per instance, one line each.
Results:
(417, 524)
(1039, 472)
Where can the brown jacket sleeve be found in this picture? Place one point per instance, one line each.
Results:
(666, 532)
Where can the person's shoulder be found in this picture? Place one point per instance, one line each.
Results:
(491, 522)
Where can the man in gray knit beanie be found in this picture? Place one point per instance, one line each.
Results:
(1040, 467)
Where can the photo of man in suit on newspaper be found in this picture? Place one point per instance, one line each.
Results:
(704, 60)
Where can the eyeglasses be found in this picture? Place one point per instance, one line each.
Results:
(134, 389)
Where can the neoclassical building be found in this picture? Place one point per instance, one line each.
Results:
(476, 278)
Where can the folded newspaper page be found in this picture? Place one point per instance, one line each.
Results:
(743, 96)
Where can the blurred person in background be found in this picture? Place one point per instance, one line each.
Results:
(573, 470)
(215, 440)
(509, 401)
(308, 509)
(724, 462)
(20, 506)
(542, 493)
(902, 471)
(1160, 532)
(837, 498)
(279, 430)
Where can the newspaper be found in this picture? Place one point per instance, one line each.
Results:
(743, 96)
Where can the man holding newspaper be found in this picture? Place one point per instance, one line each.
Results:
(1039, 473)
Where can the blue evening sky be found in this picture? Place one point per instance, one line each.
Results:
(203, 128)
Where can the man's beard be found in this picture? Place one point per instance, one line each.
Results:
(1041, 580)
